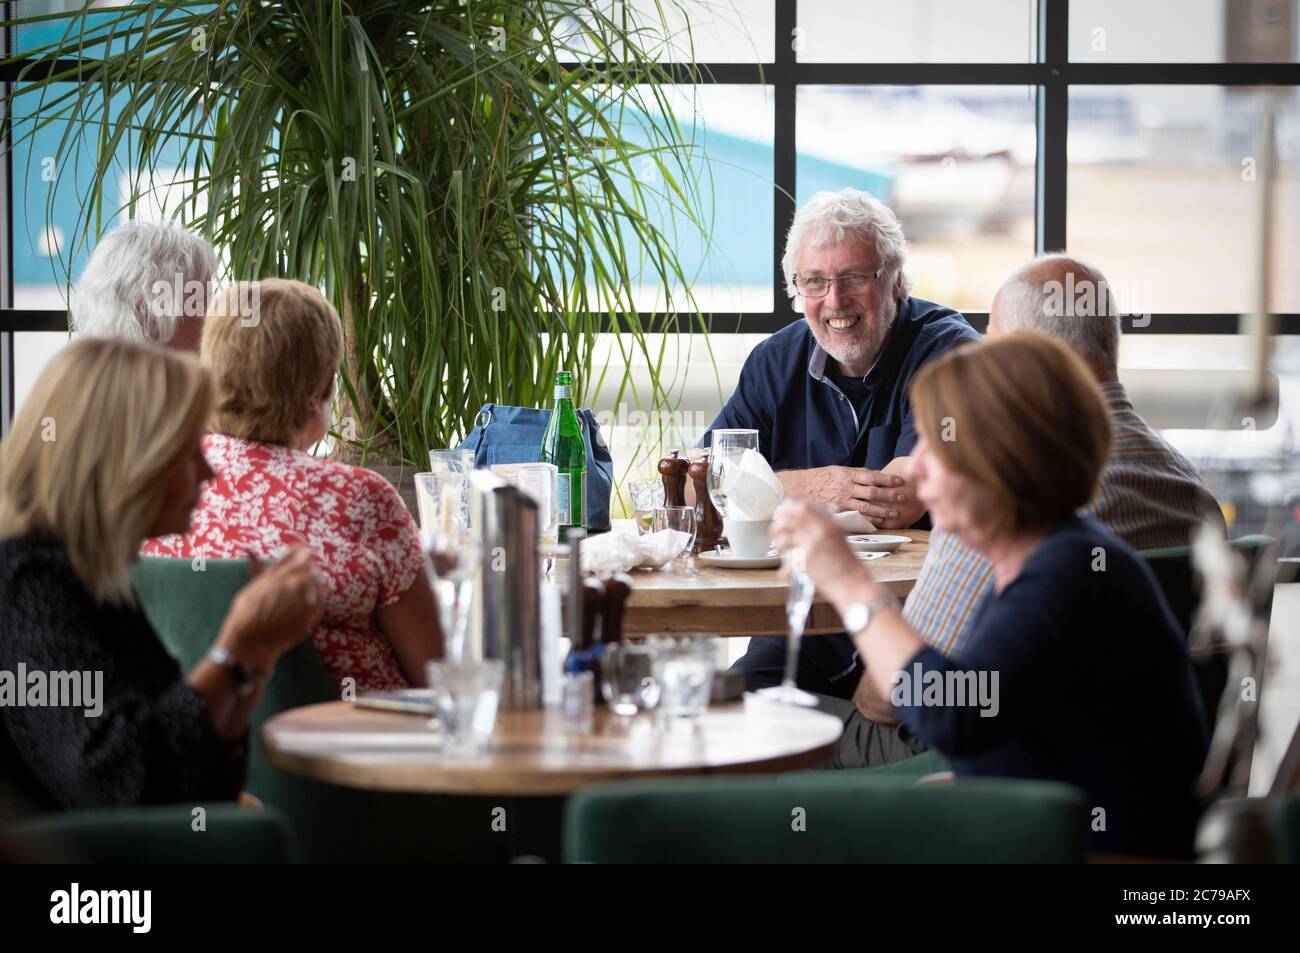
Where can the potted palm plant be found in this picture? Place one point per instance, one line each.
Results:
(464, 179)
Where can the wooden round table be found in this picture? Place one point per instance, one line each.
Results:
(743, 602)
(532, 753)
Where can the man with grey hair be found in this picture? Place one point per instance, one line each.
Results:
(146, 282)
(828, 394)
(1148, 494)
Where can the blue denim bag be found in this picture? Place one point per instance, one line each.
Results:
(504, 434)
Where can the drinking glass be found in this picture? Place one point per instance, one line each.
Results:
(453, 468)
(628, 679)
(680, 518)
(443, 501)
(578, 701)
(540, 481)
(683, 669)
(466, 695)
(797, 605)
(647, 496)
(452, 551)
(725, 451)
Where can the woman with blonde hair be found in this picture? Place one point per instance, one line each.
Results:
(1074, 668)
(274, 348)
(104, 453)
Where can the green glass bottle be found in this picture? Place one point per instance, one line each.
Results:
(562, 445)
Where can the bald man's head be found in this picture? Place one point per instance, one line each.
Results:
(1067, 299)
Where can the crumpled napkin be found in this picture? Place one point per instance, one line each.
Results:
(851, 521)
(752, 489)
(622, 551)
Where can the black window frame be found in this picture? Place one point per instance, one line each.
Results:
(1051, 75)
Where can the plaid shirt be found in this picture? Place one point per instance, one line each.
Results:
(1149, 495)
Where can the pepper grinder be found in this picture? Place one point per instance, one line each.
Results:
(672, 469)
(708, 524)
(617, 588)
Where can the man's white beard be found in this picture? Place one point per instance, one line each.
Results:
(864, 350)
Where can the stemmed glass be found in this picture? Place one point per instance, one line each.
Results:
(797, 605)
(726, 447)
(452, 552)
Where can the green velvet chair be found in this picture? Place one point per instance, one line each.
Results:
(331, 823)
(847, 817)
(152, 835)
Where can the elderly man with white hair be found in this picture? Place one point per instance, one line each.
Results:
(146, 282)
(1148, 495)
(828, 394)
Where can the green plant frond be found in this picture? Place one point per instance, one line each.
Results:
(455, 179)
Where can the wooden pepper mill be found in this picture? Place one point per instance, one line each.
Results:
(708, 524)
(672, 469)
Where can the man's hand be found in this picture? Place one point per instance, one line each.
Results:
(872, 705)
(885, 497)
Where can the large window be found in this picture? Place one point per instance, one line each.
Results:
(1122, 129)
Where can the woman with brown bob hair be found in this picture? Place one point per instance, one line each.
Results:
(1074, 669)
(273, 348)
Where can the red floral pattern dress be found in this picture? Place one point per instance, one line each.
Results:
(266, 497)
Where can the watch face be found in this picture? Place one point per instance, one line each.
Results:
(855, 618)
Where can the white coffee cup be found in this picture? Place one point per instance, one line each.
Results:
(750, 539)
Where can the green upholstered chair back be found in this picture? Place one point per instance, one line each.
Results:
(187, 606)
(153, 835)
(331, 823)
(844, 819)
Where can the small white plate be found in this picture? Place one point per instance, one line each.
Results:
(865, 556)
(725, 559)
(876, 543)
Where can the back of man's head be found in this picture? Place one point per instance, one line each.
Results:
(1067, 299)
(143, 282)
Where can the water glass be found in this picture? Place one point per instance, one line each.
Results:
(680, 518)
(628, 679)
(683, 669)
(647, 496)
(466, 695)
(443, 501)
(726, 449)
(453, 468)
(539, 481)
(578, 700)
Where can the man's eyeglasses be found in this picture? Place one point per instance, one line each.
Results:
(819, 287)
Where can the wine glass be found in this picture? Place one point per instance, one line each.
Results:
(452, 551)
(797, 605)
(451, 560)
(725, 451)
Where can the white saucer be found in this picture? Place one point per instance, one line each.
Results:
(725, 559)
(877, 543)
(866, 556)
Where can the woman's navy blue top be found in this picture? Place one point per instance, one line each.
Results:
(1087, 680)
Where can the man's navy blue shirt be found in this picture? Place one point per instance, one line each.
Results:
(804, 419)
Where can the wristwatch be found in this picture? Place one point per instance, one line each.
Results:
(245, 681)
(859, 615)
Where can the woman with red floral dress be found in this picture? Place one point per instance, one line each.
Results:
(275, 386)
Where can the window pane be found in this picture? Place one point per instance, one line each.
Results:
(681, 31)
(1179, 383)
(1189, 31)
(32, 351)
(955, 163)
(728, 261)
(51, 195)
(1163, 195)
(920, 31)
